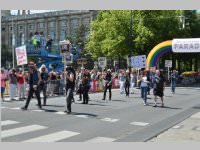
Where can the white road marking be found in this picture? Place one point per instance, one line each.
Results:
(2, 107)
(21, 130)
(53, 137)
(110, 120)
(60, 113)
(8, 122)
(82, 116)
(101, 139)
(139, 123)
(38, 110)
(17, 108)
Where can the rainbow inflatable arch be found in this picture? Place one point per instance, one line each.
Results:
(158, 51)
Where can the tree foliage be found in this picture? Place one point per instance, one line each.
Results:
(110, 32)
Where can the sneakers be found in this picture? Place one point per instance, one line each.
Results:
(67, 112)
(155, 105)
(23, 108)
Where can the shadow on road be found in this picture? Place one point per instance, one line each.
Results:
(54, 105)
(119, 100)
(50, 110)
(97, 104)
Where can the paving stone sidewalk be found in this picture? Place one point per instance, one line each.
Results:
(188, 130)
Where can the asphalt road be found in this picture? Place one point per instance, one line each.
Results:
(124, 119)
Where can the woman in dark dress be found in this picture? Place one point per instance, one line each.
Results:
(159, 86)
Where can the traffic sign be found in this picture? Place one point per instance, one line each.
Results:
(102, 62)
(168, 63)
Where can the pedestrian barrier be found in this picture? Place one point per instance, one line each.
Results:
(57, 87)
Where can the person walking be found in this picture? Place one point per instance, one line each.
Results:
(34, 79)
(21, 84)
(144, 86)
(70, 85)
(133, 80)
(108, 84)
(127, 82)
(12, 83)
(85, 88)
(3, 83)
(43, 83)
(173, 81)
(159, 86)
(121, 81)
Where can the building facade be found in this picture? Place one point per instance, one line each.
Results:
(18, 29)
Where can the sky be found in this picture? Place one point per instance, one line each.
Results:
(14, 12)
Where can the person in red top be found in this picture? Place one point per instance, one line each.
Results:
(21, 84)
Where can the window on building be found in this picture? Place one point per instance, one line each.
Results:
(51, 24)
(41, 25)
(63, 23)
(62, 35)
(20, 27)
(31, 26)
(11, 28)
(86, 21)
(74, 23)
(3, 29)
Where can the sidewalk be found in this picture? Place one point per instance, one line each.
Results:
(188, 130)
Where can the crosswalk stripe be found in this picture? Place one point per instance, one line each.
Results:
(60, 113)
(110, 119)
(139, 123)
(21, 130)
(8, 122)
(101, 139)
(17, 108)
(2, 107)
(82, 116)
(38, 110)
(53, 137)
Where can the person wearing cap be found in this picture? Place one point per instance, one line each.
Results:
(21, 84)
(108, 84)
(33, 81)
(127, 82)
(12, 84)
(70, 86)
(43, 83)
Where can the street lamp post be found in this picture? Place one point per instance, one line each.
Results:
(131, 42)
(13, 44)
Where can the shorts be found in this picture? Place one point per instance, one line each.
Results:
(2, 90)
(158, 92)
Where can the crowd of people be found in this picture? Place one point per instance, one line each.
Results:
(38, 41)
(71, 81)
